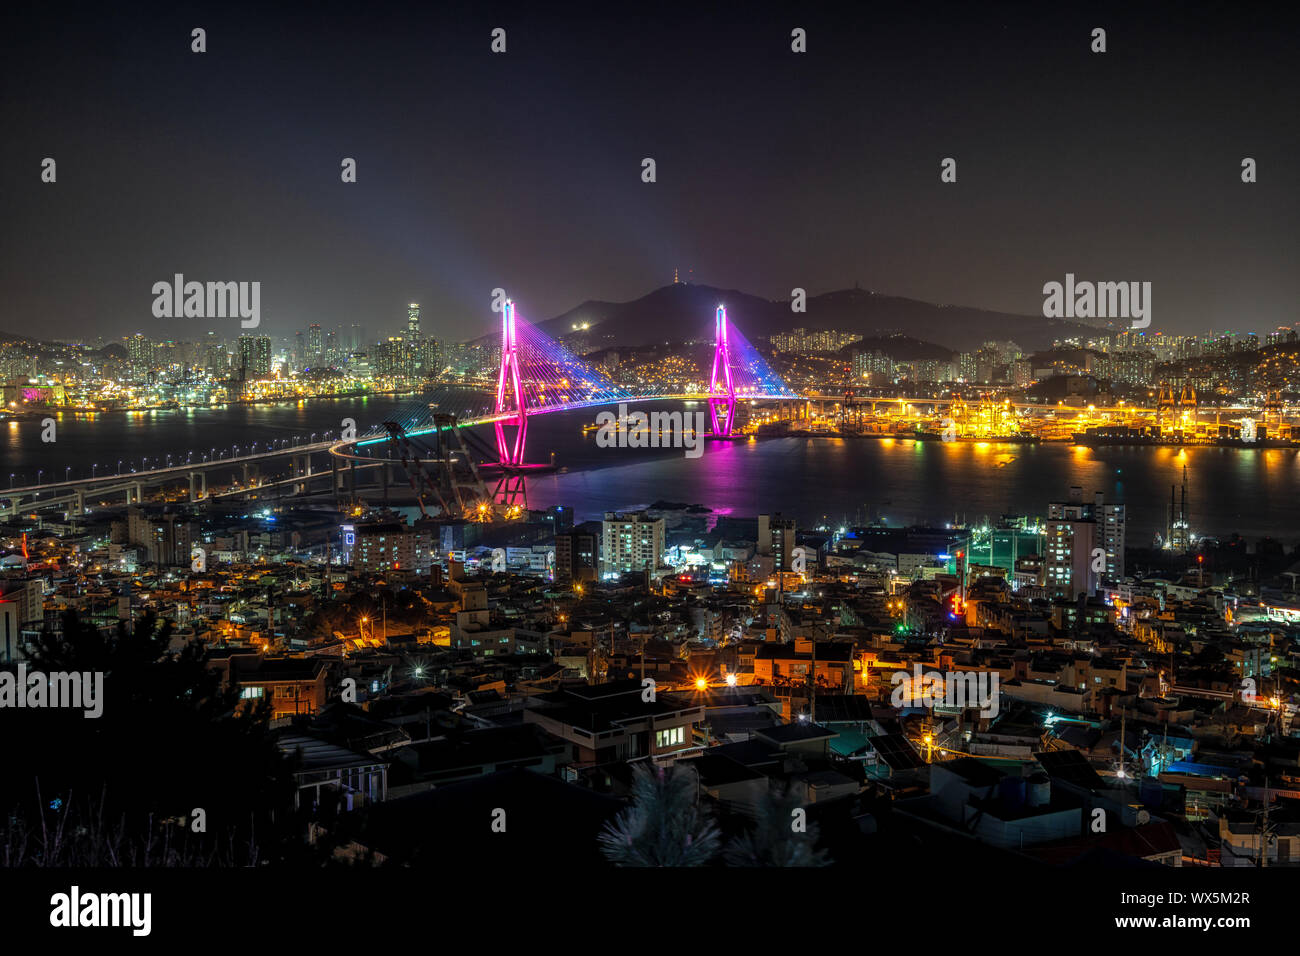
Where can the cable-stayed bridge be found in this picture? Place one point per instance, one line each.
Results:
(539, 374)
(431, 434)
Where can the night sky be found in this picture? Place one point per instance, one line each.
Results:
(523, 170)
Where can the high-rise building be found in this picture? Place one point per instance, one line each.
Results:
(776, 538)
(254, 356)
(630, 541)
(165, 538)
(141, 352)
(413, 322)
(575, 557)
(393, 358)
(393, 545)
(872, 368)
(315, 345)
(216, 360)
(1085, 544)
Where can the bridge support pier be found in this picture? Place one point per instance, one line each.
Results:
(198, 485)
(509, 380)
(722, 390)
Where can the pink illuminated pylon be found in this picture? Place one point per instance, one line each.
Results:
(721, 401)
(510, 371)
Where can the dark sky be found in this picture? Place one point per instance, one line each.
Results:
(522, 170)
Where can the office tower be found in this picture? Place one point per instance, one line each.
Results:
(630, 541)
(1085, 544)
(575, 557)
(356, 339)
(331, 347)
(413, 322)
(254, 356)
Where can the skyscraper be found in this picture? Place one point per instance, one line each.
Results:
(413, 322)
(142, 353)
(215, 358)
(254, 356)
(315, 345)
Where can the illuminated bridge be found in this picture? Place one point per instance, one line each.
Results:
(538, 375)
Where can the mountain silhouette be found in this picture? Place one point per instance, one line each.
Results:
(684, 312)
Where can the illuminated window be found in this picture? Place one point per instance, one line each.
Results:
(670, 738)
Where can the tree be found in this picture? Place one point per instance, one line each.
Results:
(664, 826)
(167, 742)
(774, 840)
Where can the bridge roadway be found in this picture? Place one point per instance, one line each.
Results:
(488, 419)
(28, 498)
